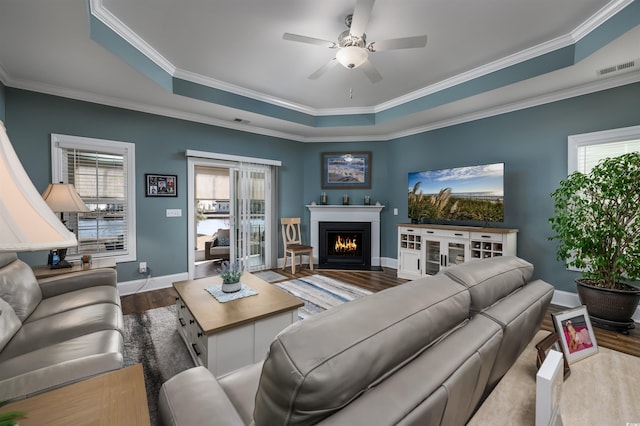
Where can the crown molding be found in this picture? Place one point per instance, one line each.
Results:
(585, 89)
(121, 29)
(568, 93)
(599, 18)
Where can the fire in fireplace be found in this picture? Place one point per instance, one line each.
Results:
(344, 245)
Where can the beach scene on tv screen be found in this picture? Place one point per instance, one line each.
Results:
(473, 193)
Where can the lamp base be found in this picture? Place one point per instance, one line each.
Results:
(56, 259)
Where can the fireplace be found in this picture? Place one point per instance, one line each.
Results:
(344, 245)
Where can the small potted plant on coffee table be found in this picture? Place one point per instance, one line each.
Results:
(230, 274)
(597, 225)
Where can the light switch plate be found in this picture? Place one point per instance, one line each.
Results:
(174, 212)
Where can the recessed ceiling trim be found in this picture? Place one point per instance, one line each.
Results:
(604, 84)
(544, 58)
(120, 28)
(603, 15)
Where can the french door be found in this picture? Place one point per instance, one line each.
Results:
(252, 207)
(250, 216)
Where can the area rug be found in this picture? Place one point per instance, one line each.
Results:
(151, 339)
(320, 293)
(270, 276)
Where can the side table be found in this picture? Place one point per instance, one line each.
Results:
(43, 271)
(115, 398)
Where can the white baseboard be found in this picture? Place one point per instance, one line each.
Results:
(152, 283)
(560, 297)
(571, 300)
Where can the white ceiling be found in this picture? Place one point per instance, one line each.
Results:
(237, 46)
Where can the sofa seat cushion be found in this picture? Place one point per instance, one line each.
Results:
(519, 315)
(240, 387)
(60, 364)
(75, 299)
(9, 323)
(63, 326)
(318, 365)
(194, 397)
(18, 286)
(489, 280)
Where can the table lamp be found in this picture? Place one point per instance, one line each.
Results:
(62, 198)
(26, 221)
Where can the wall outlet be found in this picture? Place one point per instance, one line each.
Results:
(142, 268)
(395, 211)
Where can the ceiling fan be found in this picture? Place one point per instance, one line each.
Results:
(353, 50)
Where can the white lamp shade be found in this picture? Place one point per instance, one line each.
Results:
(63, 198)
(26, 222)
(352, 56)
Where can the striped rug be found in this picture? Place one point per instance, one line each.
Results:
(320, 293)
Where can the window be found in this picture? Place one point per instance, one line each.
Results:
(587, 150)
(103, 173)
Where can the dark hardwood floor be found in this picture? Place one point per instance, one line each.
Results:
(376, 281)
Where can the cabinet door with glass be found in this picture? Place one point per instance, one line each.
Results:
(443, 250)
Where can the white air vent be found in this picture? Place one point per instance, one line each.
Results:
(626, 66)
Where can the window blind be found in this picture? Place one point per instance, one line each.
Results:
(590, 155)
(99, 178)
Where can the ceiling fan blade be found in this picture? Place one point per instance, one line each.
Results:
(370, 71)
(326, 67)
(360, 18)
(309, 40)
(399, 43)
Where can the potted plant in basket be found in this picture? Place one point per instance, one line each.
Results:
(230, 274)
(597, 224)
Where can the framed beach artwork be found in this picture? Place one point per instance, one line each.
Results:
(348, 170)
(545, 346)
(575, 333)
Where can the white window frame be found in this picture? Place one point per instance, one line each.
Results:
(61, 142)
(597, 138)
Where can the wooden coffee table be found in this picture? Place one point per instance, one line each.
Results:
(114, 398)
(226, 336)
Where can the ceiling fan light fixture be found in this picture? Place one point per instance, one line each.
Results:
(352, 56)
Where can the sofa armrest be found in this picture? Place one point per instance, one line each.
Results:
(194, 397)
(60, 284)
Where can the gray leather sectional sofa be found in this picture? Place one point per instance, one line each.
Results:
(422, 353)
(57, 330)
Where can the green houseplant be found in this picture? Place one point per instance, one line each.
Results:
(230, 274)
(597, 225)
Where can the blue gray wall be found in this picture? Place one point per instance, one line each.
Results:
(160, 148)
(532, 143)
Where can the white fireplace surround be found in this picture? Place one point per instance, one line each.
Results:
(338, 213)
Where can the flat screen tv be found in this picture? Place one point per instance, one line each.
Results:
(473, 193)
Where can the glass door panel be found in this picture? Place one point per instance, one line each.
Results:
(456, 253)
(432, 255)
(249, 219)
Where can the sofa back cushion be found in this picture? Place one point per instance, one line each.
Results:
(18, 286)
(490, 280)
(317, 366)
(9, 323)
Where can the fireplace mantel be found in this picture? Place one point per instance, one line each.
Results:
(348, 213)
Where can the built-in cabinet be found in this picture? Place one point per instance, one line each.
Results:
(425, 249)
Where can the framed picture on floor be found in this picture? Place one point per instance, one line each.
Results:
(161, 185)
(348, 170)
(575, 333)
(546, 345)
